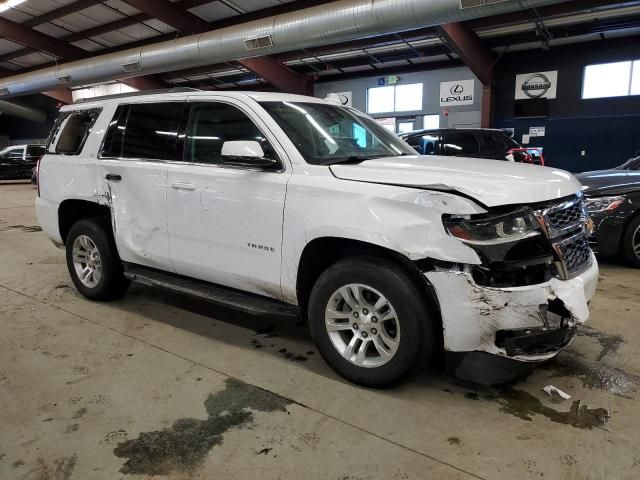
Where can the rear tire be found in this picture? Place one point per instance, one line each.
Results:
(370, 321)
(630, 247)
(93, 261)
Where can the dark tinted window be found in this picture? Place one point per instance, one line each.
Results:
(633, 164)
(112, 146)
(150, 131)
(496, 141)
(460, 143)
(413, 141)
(212, 124)
(35, 151)
(146, 130)
(13, 153)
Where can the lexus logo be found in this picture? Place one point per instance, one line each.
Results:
(536, 86)
(456, 89)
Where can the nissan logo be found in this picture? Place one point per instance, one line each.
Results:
(456, 89)
(536, 86)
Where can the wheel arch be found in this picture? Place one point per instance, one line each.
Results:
(320, 253)
(72, 210)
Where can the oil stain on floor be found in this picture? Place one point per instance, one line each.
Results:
(183, 446)
(525, 405)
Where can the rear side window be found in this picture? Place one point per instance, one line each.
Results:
(13, 153)
(460, 143)
(71, 130)
(146, 131)
(497, 141)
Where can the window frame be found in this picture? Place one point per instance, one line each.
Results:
(175, 121)
(634, 68)
(185, 122)
(59, 126)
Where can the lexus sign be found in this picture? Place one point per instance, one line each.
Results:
(457, 93)
(536, 85)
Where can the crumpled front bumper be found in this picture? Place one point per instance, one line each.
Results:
(516, 322)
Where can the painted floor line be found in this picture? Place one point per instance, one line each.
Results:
(417, 452)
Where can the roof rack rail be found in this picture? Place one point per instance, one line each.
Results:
(139, 93)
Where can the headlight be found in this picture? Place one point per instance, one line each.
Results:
(603, 204)
(493, 229)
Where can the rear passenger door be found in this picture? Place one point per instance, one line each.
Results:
(225, 219)
(132, 170)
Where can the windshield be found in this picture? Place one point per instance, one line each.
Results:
(633, 164)
(327, 134)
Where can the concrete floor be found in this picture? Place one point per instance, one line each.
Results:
(136, 388)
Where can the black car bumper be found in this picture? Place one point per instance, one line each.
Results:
(608, 233)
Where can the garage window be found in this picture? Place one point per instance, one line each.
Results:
(399, 98)
(606, 80)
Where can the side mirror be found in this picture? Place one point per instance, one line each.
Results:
(246, 153)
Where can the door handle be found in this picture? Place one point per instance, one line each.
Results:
(188, 187)
(112, 177)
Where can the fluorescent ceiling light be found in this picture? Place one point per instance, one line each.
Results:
(7, 4)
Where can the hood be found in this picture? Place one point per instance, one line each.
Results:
(490, 182)
(609, 182)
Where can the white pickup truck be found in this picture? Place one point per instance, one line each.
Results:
(271, 202)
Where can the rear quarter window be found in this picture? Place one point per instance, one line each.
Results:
(71, 130)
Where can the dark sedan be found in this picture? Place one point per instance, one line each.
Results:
(613, 200)
(17, 162)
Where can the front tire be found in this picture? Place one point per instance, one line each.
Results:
(630, 247)
(370, 321)
(93, 261)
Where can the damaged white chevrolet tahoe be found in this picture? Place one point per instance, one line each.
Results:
(272, 202)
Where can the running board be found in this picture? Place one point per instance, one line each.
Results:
(235, 299)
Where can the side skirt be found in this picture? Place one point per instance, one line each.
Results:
(228, 297)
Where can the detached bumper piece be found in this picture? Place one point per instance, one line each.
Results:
(533, 341)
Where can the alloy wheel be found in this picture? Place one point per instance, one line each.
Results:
(86, 261)
(362, 325)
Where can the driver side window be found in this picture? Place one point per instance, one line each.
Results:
(213, 124)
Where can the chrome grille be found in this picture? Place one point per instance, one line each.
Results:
(568, 217)
(574, 255)
(565, 226)
(563, 218)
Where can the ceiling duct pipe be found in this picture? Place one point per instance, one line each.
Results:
(23, 112)
(335, 22)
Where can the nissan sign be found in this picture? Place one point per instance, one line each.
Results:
(536, 85)
(457, 93)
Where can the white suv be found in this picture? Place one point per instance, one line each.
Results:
(272, 202)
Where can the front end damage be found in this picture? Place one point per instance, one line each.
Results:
(528, 323)
(524, 302)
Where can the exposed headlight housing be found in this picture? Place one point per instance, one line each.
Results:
(493, 229)
(603, 204)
